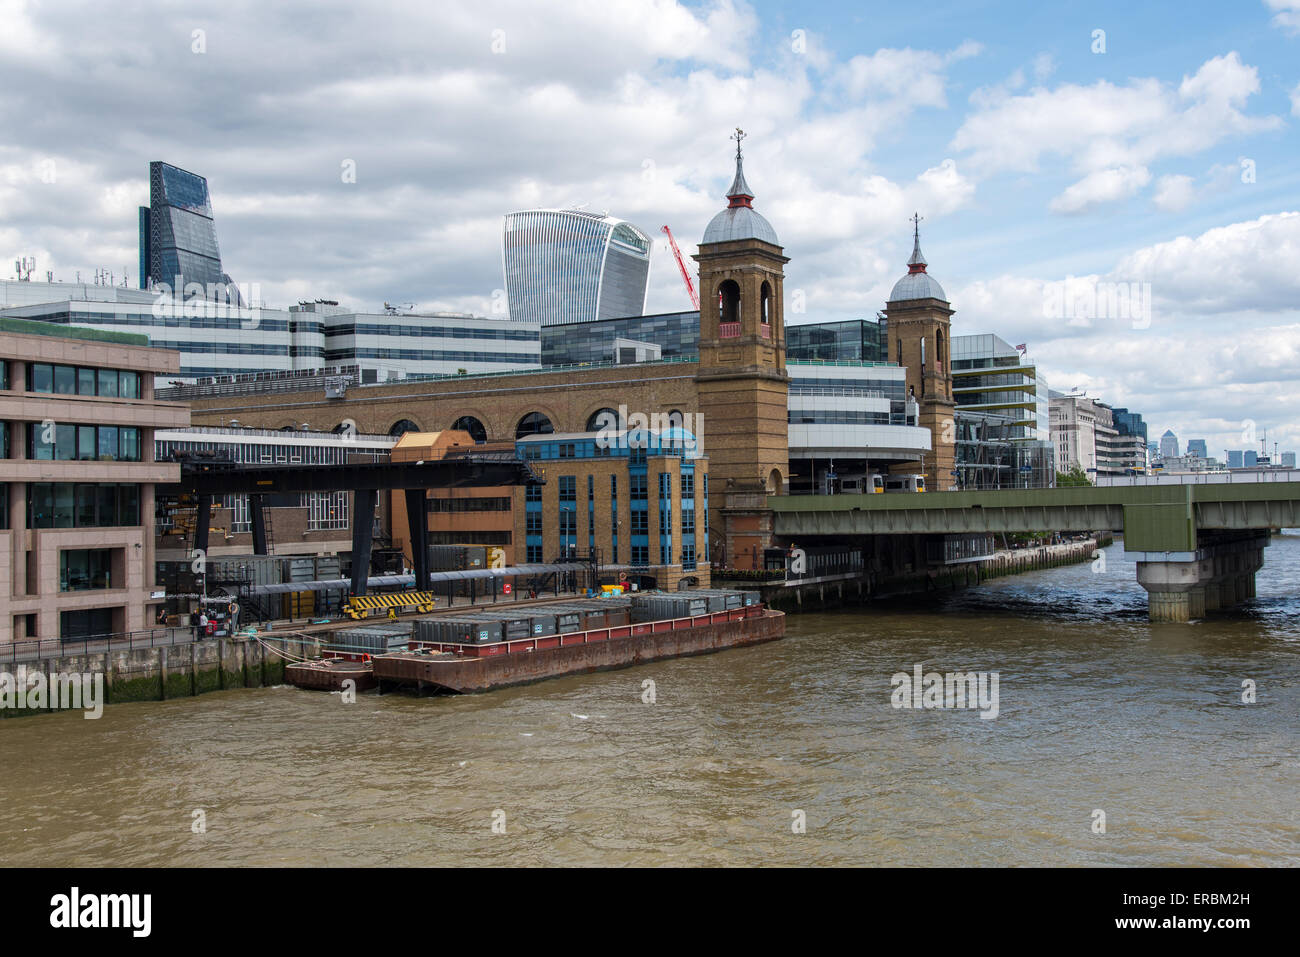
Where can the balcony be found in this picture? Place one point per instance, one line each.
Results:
(728, 330)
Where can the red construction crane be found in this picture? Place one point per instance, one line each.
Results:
(681, 264)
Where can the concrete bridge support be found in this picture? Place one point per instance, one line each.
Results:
(1185, 585)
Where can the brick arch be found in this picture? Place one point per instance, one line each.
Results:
(459, 413)
(558, 422)
(592, 409)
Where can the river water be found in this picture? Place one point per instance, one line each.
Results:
(1098, 710)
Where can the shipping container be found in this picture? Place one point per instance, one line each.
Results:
(464, 630)
(373, 640)
(661, 606)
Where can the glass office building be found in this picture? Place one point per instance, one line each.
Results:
(178, 239)
(566, 265)
(853, 340)
(677, 334)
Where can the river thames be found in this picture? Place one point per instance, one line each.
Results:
(1098, 711)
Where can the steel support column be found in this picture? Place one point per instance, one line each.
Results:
(202, 520)
(417, 521)
(363, 528)
(257, 513)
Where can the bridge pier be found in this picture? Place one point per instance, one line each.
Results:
(1185, 585)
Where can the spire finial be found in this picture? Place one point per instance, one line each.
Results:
(739, 194)
(917, 262)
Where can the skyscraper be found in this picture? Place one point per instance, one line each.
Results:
(178, 239)
(568, 265)
(1197, 447)
(1169, 445)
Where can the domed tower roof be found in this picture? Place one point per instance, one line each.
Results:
(739, 220)
(917, 284)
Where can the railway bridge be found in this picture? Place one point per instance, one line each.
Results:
(1197, 543)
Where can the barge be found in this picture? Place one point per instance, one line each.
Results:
(478, 653)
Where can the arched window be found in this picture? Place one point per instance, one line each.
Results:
(602, 420)
(938, 350)
(729, 309)
(467, 423)
(534, 423)
(765, 309)
(403, 425)
(900, 352)
(923, 353)
(676, 420)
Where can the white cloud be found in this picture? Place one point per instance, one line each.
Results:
(1044, 66)
(1173, 193)
(1110, 133)
(1248, 266)
(1101, 186)
(1288, 14)
(942, 189)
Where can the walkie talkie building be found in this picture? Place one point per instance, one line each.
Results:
(568, 265)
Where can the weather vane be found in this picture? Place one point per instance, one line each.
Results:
(916, 223)
(738, 136)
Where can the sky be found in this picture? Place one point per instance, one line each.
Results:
(1114, 185)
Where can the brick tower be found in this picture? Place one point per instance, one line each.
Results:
(919, 337)
(742, 384)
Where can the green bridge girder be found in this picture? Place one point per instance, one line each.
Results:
(1153, 518)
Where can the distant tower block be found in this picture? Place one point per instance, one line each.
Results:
(919, 323)
(742, 384)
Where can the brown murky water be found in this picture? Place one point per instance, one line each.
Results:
(1098, 710)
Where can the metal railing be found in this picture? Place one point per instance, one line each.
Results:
(36, 649)
(1233, 477)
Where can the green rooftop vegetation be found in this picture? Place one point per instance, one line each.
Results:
(31, 328)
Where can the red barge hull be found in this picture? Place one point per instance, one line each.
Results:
(474, 669)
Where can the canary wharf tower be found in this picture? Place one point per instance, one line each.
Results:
(569, 265)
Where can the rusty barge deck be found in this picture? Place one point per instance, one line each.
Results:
(328, 674)
(470, 669)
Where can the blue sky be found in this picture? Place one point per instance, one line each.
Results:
(1031, 157)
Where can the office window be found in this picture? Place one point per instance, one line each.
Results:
(640, 554)
(534, 554)
(64, 442)
(688, 485)
(83, 624)
(81, 569)
(65, 505)
(640, 522)
(568, 488)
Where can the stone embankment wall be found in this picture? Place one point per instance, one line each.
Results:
(172, 671)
